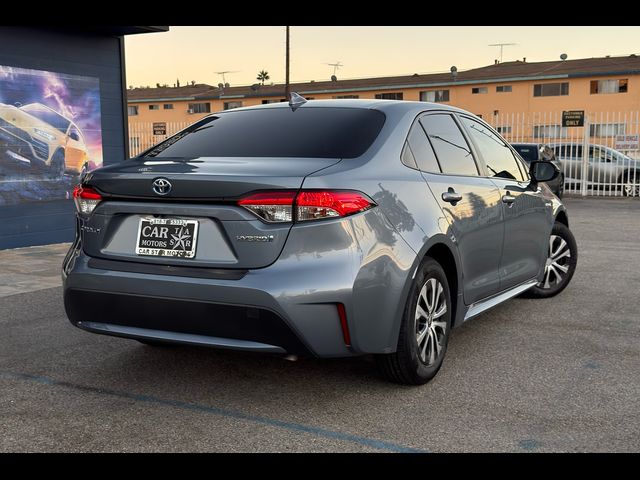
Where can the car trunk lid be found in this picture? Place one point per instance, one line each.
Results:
(204, 190)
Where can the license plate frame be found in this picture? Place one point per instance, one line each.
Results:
(161, 235)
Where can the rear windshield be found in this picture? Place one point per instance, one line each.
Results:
(277, 132)
(527, 152)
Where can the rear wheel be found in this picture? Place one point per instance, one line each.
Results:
(424, 332)
(560, 264)
(560, 191)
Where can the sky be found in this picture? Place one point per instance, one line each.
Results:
(197, 53)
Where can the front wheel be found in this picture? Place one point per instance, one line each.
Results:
(560, 264)
(57, 168)
(424, 332)
(631, 184)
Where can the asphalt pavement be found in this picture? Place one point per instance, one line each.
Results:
(561, 374)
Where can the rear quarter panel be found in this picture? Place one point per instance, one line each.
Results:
(389, 240)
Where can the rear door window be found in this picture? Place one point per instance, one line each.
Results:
(422, 151)
(451, 149)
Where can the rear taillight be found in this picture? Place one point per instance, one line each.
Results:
(286, 206)
(86, 199)
(317, 204)
(271, 206)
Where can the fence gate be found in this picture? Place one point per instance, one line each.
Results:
(598, 159)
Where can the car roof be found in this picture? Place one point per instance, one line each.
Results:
(370, 104)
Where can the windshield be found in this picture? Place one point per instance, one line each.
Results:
(277, 132)
(47, 115)
(527, 152)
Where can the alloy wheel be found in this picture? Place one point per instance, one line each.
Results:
(557, 264)
(631, 189)
(431, 327)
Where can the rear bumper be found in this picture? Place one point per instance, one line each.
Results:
(182, 321)
(354, 261)
(247, 311)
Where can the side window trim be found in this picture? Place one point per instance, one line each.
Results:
(524, 173)
(435, 154)
(474, 154)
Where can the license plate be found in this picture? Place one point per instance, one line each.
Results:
(167, 237)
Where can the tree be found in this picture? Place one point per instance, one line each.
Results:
(263, 76)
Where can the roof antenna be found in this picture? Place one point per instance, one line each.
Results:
(501, 45)
(296, 101)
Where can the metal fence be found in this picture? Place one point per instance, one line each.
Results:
(144, 135)
(612, 140)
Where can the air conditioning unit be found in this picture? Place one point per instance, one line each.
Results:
(190, 110)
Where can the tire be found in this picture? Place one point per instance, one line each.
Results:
(560, 192)
(631, 188)
(412, 362)
(555, 279)
(57, 168)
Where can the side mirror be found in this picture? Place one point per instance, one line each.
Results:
(74, 136)
(543, 171)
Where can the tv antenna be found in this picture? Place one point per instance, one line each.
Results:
(336, 66)
(224, 79)
(501, 45)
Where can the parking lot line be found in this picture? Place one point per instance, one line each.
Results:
(150, 399)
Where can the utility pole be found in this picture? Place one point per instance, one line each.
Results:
(286, 71)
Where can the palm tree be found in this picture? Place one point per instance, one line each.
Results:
(263, 76)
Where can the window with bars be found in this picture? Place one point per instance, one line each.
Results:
(607, 129)
(609, 86)
(232, 105)
(477, 90)
(550, 89)
(503, 88)
(435, 96)
(200, 107)
(389, 96)
(549, 131)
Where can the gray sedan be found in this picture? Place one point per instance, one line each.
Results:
(330, 228)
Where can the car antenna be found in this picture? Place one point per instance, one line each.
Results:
(296, 101)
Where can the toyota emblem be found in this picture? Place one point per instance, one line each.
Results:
(161, 186)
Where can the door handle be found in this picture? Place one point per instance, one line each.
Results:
(508, 198)
(451, 196)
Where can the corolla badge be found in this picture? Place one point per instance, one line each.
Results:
(161, 186)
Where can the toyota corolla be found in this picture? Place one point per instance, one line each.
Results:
(329, 228)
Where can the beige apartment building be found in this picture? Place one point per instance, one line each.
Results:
(600, 86)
